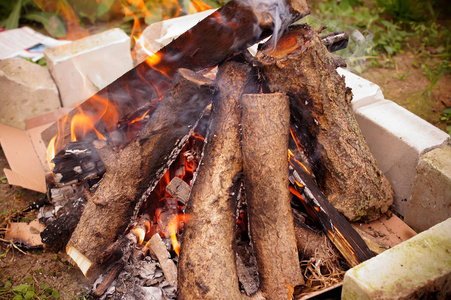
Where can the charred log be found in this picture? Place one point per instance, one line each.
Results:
(265, 123)
(135, 170)
(324, 126)
(207, 268)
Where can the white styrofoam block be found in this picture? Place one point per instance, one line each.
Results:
(397, 138)
(85, 66)
(364, 91)
(431, 192)
(419, 268)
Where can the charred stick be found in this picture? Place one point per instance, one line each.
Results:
(265, 125)
(134, 171)
(207, 267)
(334, 224)
(335, 41)
(108, 279)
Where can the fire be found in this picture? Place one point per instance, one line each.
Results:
(293, 158)
(140, 233)
(81, 124)
(50, 153)
(173, 227)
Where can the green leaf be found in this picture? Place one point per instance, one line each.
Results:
(29, 295)
(55, 294)
(13, 18)
(104, 6)
(21, 288)
(18, 297)
(51, 22)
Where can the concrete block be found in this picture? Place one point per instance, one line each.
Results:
(27, 90)
(85, 66)
(419, 268)
(397, 138)
(365, 92)
(430, 202)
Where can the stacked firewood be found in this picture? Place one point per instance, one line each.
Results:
(287, 97)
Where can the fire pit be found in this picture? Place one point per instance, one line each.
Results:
(127, 182)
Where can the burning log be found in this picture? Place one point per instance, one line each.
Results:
(336, 227)
(265, 123)
(135, 170)
(207, 268)
(323, 125)
(232, 28)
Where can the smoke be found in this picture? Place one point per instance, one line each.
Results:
(275, 12)
(360, 46)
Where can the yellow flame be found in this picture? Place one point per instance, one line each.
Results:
(50, 153)
(140, 233)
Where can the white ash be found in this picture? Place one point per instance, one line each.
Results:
(142, 280)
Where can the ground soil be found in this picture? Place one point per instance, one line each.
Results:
(41, 266)
(407, 86)
(402, 84)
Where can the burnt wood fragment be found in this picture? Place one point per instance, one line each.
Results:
(323, 124)
(335, 41)
(134, 171)
(207, 267)
(265, 125)
(56, 235)
(77, 163)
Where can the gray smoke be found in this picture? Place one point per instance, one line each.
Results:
(273, 11)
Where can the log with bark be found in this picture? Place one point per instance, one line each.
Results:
(207, 267)
(227, 31)
(323, 124)
(265, 125)
(132, 172)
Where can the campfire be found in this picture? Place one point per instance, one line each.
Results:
(195, 182)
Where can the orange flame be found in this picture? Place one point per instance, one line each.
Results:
(50, 153)
(200, 6)
(173, 226)
(140, 233)
(292, 157)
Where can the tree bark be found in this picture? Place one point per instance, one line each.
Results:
(265, 123)
(133, 172)
(324, 126)
(207, 268)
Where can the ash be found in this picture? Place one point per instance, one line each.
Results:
(140, 280)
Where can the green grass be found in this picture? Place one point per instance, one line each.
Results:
(27, 290)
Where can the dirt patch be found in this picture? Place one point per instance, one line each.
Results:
(37, 267)
(407, 86)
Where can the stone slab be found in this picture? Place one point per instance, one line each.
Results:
(397, 138)
(430, 202)
(27, 90)
(85, 66)
(419, 268)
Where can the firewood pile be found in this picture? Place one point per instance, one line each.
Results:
(241, 186)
